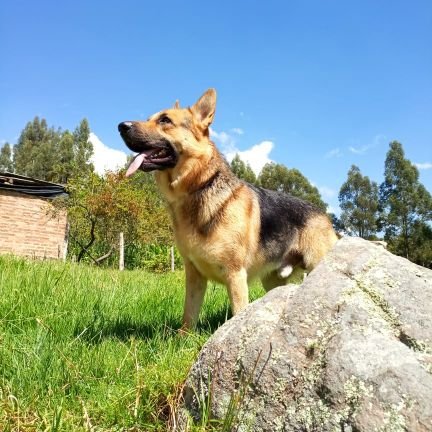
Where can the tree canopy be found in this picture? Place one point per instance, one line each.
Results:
(51, 154)
(243, 170)
(99, 207)
(359, 202)
(406, 203)
(6, 163)
(280, 178)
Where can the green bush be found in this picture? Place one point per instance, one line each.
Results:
(155, 258)
(151, 257)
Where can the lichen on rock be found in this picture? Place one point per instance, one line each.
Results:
(348, 350)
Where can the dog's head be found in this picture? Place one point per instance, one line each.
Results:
(170, 135)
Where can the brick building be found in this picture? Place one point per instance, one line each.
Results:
(26, 228)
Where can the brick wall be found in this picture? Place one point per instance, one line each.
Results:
(27, 230)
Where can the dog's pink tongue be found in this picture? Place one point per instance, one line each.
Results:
(135, 164)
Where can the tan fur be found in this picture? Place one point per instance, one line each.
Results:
(219, 239)
(313, 251)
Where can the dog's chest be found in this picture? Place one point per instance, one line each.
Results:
(211, 271)
(203, 252)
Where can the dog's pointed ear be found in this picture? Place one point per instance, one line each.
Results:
(177, 104)
(204, 108)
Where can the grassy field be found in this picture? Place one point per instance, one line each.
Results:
(84, 349)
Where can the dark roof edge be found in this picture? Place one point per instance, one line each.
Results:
(30, 186)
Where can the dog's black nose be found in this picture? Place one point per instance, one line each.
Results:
(124, 126)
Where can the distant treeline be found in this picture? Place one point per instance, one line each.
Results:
(399, 210)
(100, 207)
(49, 153)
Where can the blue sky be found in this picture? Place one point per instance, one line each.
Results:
(316, 85)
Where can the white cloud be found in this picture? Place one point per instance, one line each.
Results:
(359, 150)
(327, 192)
(238, 131)
(223, 137)
(257, 156)
(376, 141)
(226, 141)
(106, 158)
(336, 152)
(335, 210)
(423, 166)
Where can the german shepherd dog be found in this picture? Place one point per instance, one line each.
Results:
(226, 230)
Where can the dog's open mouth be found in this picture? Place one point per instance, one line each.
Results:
(150, 159)
(155, 152)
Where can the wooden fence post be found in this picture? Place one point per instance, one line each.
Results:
(172, 258)
(121, 255)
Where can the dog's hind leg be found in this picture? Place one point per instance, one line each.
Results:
(317, 239)
(277, 277)
(290, 269)
(238, 290)
(274, 279)
(196, 285)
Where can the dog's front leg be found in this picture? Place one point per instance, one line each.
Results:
(238, 290)
(196, 285)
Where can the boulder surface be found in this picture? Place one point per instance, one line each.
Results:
(348, 350)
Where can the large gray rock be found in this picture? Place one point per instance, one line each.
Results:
(348, 350)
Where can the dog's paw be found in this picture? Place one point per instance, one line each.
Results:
(184, 331)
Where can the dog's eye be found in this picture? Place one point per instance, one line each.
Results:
(165, 120)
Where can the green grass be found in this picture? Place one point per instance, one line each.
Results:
(89, 349)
